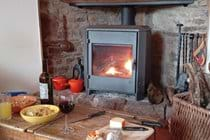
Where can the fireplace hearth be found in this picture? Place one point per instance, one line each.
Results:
(117, 59)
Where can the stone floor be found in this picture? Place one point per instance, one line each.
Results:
(121, 102)
(161, 134)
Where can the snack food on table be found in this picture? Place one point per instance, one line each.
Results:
(20, 102)
(38, 114)
(94, 135)
(42, 111)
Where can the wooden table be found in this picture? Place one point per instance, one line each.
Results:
(18, 129)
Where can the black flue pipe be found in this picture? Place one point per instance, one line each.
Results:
(128, 15)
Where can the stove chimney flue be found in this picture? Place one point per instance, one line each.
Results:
(128, 15)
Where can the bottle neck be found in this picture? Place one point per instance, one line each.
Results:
(44, 66)
(79, 61)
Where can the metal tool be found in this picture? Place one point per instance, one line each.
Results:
(139, 128)
(179, 49)
(197, 36)
(190, 59)
(181, 78)
(195, 46)
(186, 46)
(90, 116)
(152, 124)
(183, 51)
(148, 123)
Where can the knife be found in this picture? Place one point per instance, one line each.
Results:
(135, 128)
(152, 124)
(90, 116)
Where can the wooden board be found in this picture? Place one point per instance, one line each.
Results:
(33, 128)
(53, 130)
(16, 123)
(81, 128)
(11, 134)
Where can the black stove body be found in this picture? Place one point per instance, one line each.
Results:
(117, 59)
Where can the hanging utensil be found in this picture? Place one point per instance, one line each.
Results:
(181, 83)
(197, 36)
(183, 51)
(190, 59)
(179, 50)
(185, 48)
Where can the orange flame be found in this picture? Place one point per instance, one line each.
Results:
(128, 66)
(111, 71)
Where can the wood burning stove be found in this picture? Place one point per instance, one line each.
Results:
(117, 59)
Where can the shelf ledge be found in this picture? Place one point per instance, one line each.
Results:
(109, 3)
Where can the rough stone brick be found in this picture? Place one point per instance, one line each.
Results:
(61, 22)
(162, 21)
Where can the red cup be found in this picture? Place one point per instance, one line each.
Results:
(59, 82)
(76, 85)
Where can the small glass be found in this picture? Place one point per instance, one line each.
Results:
(5, 106)
(66, 105)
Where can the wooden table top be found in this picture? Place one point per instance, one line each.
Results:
(53, 129)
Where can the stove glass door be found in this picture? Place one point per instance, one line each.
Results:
(111, 60)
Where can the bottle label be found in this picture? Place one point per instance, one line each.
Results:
(43, 90)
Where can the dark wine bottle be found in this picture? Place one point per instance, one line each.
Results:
(78, 70)
(45, 85)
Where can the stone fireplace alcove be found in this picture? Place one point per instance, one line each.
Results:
(63, 35)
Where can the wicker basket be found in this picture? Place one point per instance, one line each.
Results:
(188, 121)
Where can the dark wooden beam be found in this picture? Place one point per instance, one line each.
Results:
(127, 2)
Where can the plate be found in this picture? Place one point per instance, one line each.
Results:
(129, 135)
(20, 102)
(38, 114)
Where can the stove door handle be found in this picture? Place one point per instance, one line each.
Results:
(134, 64)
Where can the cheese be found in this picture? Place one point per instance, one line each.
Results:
(117, 123)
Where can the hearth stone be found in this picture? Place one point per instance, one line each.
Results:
(123, 102)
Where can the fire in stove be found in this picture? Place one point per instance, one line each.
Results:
(125, 72)
(117, 59)
(112, 60)
(128, 66)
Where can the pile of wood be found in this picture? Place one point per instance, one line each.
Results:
(198, 86)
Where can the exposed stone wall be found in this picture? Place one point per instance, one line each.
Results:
(163, 22)
(63, 33)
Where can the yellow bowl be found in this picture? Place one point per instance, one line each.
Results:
(28, 113)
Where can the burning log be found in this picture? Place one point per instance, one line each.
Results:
(111, 66)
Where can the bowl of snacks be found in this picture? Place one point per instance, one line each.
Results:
(20, 102)
(38, 114)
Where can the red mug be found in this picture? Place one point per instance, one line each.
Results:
(59, 82)
(76, 85)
